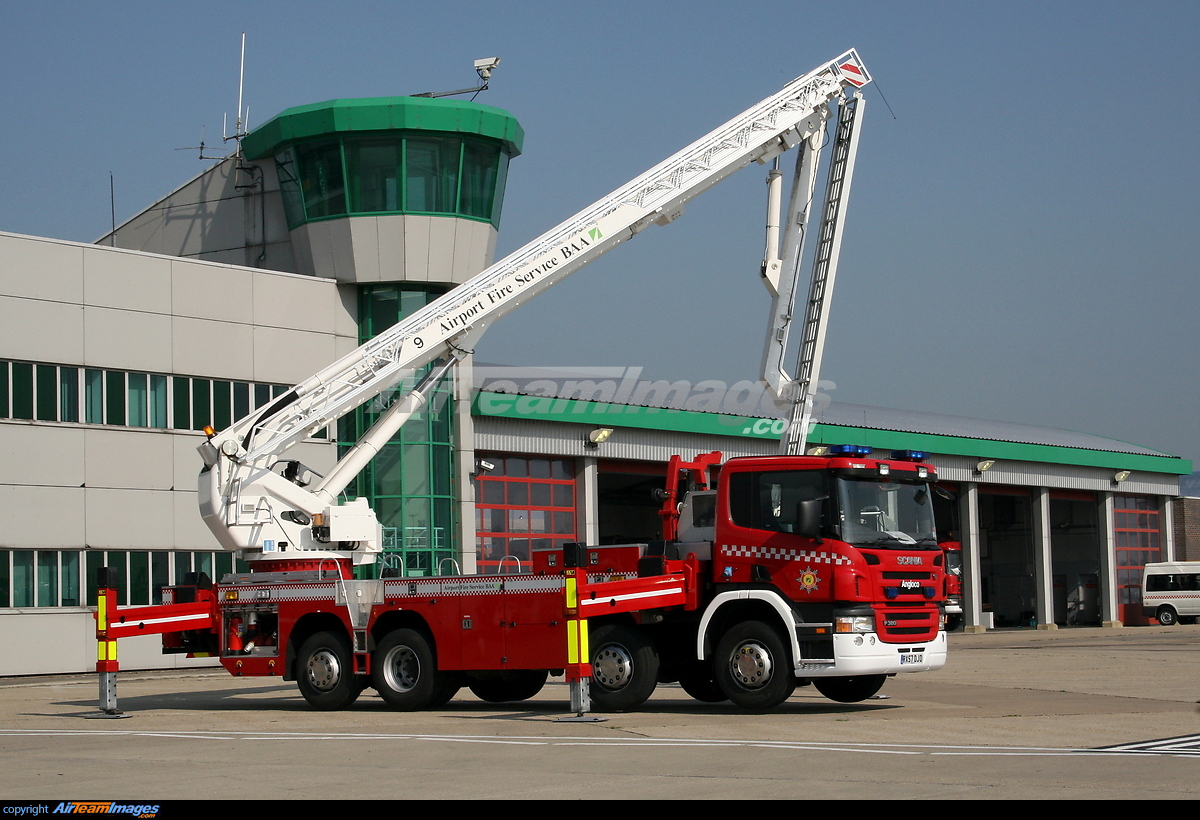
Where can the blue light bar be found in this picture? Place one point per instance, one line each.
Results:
(849, 450)
(909, 455)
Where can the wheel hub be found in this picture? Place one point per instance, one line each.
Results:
(751, 665)
(613, 667)
(402, 669)
(324, 670)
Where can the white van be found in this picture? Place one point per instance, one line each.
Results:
(1171, 592)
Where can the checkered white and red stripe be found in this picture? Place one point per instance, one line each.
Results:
(772, 553)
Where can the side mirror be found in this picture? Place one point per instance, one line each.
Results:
(808, 517)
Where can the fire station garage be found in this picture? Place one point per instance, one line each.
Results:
(333, 222)
(1047, 527)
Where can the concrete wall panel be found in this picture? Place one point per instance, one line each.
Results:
(129, 519)
(127, 339)
(127, 281)
(364, 236)
(211, 292)
(442, 248)
(341, 249)
(41, 331)
(128, 459)
(219, 349)
(319, 243)
(42, 517)
(295, 302)
(416, 249)
(41, 269)
(389, 234)
(289, 356)
(40, 455)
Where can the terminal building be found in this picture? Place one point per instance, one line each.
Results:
(331, 223)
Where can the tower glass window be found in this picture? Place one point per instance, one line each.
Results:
(402, 172)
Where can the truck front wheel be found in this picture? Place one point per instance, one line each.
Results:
(752, 666)
(405, 674)
(624, 668)
(325, 672)
(849, 689)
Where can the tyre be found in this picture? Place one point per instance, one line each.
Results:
(851, 689)
(953, 622)
(1166, 616)
(753, 666)
(447, 687)
(699, 684)
(405, 674)
(509, 686)
(624, 668)
(325, 672)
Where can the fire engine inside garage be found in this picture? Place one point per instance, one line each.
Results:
(333, 222)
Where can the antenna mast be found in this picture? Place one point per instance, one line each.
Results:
(240, 123)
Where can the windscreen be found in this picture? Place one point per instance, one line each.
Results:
(887, 514)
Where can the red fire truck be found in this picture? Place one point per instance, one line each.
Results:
(794, 568)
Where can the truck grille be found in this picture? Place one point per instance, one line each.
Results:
(902, 626)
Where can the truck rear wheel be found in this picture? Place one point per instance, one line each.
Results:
(509, 686)
(405, 674)
(325, 672)
(753, 667)
(624, 668)
(850, 689)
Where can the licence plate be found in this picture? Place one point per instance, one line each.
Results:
(912, 657)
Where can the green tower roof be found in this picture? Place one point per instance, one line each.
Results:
(326, 119)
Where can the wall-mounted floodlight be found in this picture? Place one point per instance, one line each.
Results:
(1120, 476)
(984, 465)
(597, 437)
(817, 451)
(482, 466)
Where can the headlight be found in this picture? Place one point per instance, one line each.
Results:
(854, 623)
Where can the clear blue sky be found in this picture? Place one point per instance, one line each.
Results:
(1022, 239)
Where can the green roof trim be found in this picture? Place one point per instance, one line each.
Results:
(336, 117)
(576, 411)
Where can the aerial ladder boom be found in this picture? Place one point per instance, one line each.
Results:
(250, 504)
(797, 392)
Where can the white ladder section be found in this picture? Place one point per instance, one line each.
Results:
(803, 390)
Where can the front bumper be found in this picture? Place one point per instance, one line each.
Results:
(865, 654)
